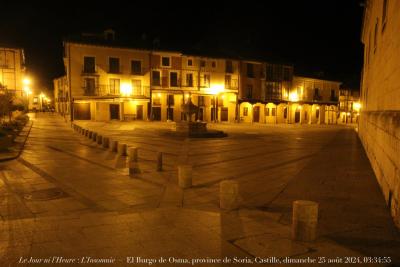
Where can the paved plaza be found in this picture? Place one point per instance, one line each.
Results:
(68, 197)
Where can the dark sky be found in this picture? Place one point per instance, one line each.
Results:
(316, 36)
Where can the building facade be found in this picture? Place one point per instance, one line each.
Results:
(379, 122)
(12, 73)
(349, 106)
(105, 81)
(284, 98)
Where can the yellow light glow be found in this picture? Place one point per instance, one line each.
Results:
(27, 90)
(26, 81)
(126, 89)
(159, 94)
(317, 107)
(216, 89)
(357, 106)
(186, 95)
(293, 97)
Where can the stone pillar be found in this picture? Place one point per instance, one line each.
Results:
(106, 142)
(229, 195)
(133, 154)
(305, 220)
(185, 176)
(159, 161)
(113, 145)
(121, 149)
(99, 139)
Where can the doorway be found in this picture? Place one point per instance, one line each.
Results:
(256, 114)
(157, 113)
(114, 111)
(297, 116)
(139, 112)
(224, 114)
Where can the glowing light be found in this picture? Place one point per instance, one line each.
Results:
(357, 106)
(293, 97)
(348, 113)
(159, 94)
(126, 89)
(27, 90)
(216, 89)
(317, 107)
(300, 107)
(26, 81)
(186, 95)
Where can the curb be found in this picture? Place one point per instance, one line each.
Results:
(20, 145)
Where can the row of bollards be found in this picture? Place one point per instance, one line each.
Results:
(304, 214)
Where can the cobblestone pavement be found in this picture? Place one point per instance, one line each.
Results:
(67, 197)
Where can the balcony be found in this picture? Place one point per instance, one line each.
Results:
(317, 97)
(139, 72)
(88, 70)
(107, 90)
(333, 99)
(233, 84)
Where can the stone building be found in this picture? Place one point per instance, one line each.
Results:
(379, 123)
(349, 106)
(12, 73)
(107, 80)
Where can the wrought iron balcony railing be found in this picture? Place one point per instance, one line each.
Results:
(107, 90)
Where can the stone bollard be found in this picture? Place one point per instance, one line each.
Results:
(229, 195)
(114, 145)
(133, 154)
(83, 132)
(94, 136)
(121, 149)
(305, 220)
(99, 139)
(105, 142)
(90, 134)
(185, 176)
(133, 167)
(159, 161)
(86, 132)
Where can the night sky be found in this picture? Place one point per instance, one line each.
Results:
(316, 36)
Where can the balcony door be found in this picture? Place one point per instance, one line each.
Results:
(90, 86)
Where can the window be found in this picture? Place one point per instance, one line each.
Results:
(286, 74)
(266, 111)
(228, 80)
(113, 65)
(156, 78)
(201, 100)
(249, 91)
(89, 65)
(170, 100)
(245, 111)
(229, 66)
(190, 62)
(35, 100)
(202, 63)
(206, 80)
(273, 111)
(114, 86)
(90, 86)
(189, 79)
(137, 87)
(173, 79)
(384, 13)
(165, 61)
(250, 70)
(136, 67)
(214, 64)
